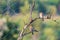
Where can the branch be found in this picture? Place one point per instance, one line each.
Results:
(21, 34)
(31, 9)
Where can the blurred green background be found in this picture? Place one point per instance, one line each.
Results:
(19, 12)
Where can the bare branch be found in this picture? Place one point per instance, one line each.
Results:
(31, 9)
(21, 34)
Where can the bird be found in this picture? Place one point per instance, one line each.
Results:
(31, 29)
(48, 16)
(41, 16)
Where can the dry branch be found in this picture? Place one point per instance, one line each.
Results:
(21, 34)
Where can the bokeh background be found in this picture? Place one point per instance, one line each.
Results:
(14, 14)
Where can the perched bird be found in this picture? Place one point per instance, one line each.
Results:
(48, 16)
(31, 29)
(41, 16)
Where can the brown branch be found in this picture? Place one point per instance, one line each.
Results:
(21, 34)
(31, 9)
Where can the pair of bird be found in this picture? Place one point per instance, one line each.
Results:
(41, 15)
